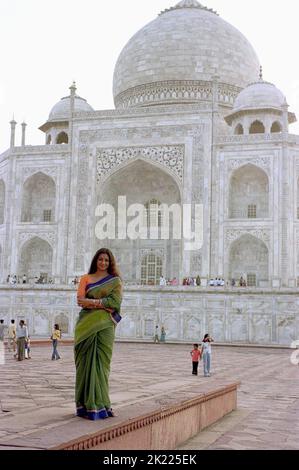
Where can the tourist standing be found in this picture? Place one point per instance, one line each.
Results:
(12, 336)
(195, 355)
(206, 352)
(56, 336)
(163, 335)
(22, 334)
(27, 348)
(99, 295)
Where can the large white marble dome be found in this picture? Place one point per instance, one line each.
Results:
(187, 43)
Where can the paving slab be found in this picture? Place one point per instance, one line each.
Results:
(38, 394)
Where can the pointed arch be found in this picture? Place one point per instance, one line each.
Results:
(249, 193)
(39, 199)
(239, 130)
(155, 164)
(276, 128)
(249, 258)
(36, 258)
(62, 138)
(257, 127)
(141, 181)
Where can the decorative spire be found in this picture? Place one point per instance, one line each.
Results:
(12, 131)
(188, 4)
(73, 88)
(261, 74)
(23, 133)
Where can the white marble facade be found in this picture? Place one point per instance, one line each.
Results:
(194, 123)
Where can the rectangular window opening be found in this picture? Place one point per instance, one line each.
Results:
(252, 211)
(47, 215)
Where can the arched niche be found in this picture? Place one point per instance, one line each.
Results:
(35, 259)
(2, 201)
(239, 130)
(63, 321)
(140, 181)
(49, 139)
(39, 199)
(249, 193)
(62, 138)
(257, 127)
(249, 258)
(276, 128)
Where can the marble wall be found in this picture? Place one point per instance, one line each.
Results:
(253, 316)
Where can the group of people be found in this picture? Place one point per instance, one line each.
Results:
(204, 354)
(14, 279)
(18, 339)
(241, 283)
(192, 281)
(188, 281)
(218, 282)
(168, 282)
(196, 282)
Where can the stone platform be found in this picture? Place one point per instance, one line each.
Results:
(152, 389)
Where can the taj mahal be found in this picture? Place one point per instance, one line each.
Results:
(195, 123)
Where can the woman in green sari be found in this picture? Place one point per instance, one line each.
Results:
(99, 295)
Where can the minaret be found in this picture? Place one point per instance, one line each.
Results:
(285, 111)
(12, 132)
(23, 133)
(73, 90)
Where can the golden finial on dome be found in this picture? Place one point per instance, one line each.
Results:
(188, 4)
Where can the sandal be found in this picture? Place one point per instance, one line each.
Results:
(111, 413)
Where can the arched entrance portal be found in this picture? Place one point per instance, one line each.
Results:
(142, 183)
(249, 258)
(36, 260)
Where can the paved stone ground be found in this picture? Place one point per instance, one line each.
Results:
(268, 399)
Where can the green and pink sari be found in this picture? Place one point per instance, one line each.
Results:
(94, 340)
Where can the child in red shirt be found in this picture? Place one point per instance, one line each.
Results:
(196, 355)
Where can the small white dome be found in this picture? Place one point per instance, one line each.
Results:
(61, 110)
(259, 95)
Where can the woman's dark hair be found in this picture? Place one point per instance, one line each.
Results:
(206, 336)
(112, 268)
(56, 326)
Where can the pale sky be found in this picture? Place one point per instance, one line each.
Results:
(45, 45)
